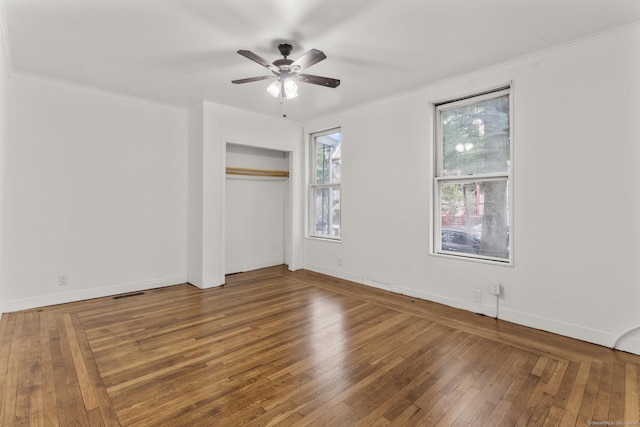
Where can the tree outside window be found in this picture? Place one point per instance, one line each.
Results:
(473, 175)
(325, 187)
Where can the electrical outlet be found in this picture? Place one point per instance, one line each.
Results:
(63, 280)
(496, 288)
(339, 261)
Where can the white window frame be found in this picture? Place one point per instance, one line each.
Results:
(313, 186)
(439, 178)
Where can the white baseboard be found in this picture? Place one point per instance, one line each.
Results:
(474, 307)
(630, 344)
(334, 273)
(606, 339)
(85, 294)
(256, 265)
(262, 264)
(557, 327)
(481, 308)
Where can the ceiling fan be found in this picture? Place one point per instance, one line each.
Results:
(287, 71)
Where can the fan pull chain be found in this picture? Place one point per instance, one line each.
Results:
(283, 102)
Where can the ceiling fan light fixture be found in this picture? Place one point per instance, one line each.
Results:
(286, 71)
(274, 89)
(290, 88)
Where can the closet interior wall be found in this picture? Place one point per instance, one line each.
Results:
(256, 208)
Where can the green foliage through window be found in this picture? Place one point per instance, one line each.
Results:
(325, 187)
(472, 177)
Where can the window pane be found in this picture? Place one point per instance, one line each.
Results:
(327, 211)
(476, 137)
(327, 158)
(474, 218)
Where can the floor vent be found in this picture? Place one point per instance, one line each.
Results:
(134, 294)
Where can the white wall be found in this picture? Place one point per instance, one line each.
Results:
(195, 197)
(256, 207)
(94, 187)
(576, 186)
(4, 140)
(223, 125)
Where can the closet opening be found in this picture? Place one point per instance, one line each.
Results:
(257, 208)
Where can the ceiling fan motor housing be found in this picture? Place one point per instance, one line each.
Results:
(285, 49)
(284, 64)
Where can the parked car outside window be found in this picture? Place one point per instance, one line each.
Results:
(460, 240)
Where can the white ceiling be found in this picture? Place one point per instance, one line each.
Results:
(184, 51)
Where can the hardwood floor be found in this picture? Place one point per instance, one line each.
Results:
(273, 347)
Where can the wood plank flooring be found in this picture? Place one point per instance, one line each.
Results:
(274, 347)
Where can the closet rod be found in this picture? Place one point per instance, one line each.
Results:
(257, 172)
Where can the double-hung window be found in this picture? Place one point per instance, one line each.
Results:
(324, 184)
(472, 183)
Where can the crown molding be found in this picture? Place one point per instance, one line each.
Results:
(66, 84)
(456, 80)
(546, 52)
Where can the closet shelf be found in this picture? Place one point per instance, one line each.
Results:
(257, 172)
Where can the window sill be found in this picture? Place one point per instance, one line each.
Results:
(324, 239)
(506, 263)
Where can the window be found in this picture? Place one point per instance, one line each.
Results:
(325, 189)
(472, 183)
